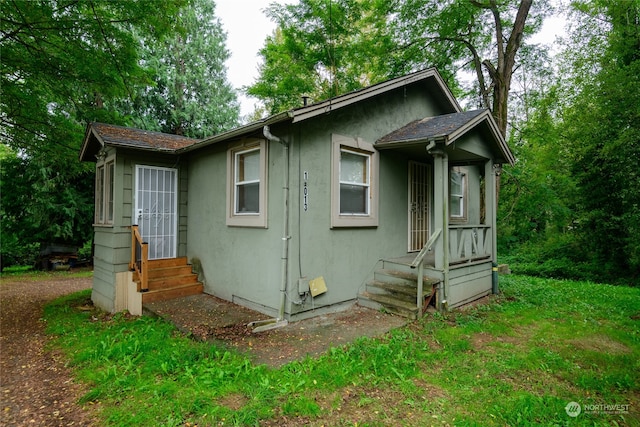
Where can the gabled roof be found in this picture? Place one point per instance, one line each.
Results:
(437, 88)
(447, 128)
(99, 135)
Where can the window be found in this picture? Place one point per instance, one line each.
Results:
(247, 182)
(457, 194)
(354, 183)
(105, 175)
(246, 196)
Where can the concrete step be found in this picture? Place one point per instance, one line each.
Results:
(399, 290)
(403, 277)
(391, 304)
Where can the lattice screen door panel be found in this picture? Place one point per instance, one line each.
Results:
(419, 193)
(156, 209)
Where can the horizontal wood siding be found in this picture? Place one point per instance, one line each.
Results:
(113, 244)
(469, 283)
(103, 289)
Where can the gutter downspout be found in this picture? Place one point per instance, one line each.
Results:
(280, 321)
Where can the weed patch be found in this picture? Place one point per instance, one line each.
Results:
(518, 360)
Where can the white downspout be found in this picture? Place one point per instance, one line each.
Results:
(280, 320)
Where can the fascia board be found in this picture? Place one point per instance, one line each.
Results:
(233, 133)
(89, 133)
(409, 142)
(493, 127)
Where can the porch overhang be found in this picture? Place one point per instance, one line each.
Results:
(449, 129)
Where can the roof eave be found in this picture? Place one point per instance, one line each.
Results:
(239, 131)
(410, 142)
(90, 132)
(493, 127)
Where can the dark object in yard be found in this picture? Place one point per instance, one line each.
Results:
(55, 256)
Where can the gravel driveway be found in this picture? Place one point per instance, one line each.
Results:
(36, 388)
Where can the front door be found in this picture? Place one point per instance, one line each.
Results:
(419, 185)
(156, 209)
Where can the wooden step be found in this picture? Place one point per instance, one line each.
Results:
(167, 262)
(179, 270)
(175, 292)
(171, 282)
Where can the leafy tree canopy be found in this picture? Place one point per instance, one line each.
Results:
(61, 58)
(325, 48)
(190, 95)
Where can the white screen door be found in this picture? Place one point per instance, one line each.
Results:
(156, 209)
(419, 184)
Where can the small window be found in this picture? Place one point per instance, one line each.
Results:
(247, 177)
(247, 182)
(457, 194)
(104, 206)
(354, 183)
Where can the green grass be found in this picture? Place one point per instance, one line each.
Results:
(516, 361)
(28, 274)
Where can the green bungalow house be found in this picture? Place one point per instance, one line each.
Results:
(384, 196)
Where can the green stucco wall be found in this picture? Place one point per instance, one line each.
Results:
(244, 264)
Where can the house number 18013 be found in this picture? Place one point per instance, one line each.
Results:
(305, 192)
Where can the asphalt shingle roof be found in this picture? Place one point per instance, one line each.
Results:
(431, 127)
(142, 139)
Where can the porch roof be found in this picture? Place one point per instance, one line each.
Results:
(99, 135)
(448, 128)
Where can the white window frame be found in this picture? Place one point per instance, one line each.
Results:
(461, 215)
(246, 219)
(105, 191)
(360, 147)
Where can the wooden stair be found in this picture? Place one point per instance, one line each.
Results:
(168, 279)
(395, 287)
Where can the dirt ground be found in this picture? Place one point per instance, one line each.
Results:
(209, 318)
(38, 389)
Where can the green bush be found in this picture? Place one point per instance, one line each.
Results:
(16, 253)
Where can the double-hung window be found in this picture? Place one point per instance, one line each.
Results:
(247, 181)
(355, 182)
(105, 175)
(354, 187)
(457, 194)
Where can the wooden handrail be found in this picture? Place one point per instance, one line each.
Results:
(139, 258)
(419, 262)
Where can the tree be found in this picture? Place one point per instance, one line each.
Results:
(62, 59)
(63, 63)
(347, 44)
(322, 49)
(483, 34)
(190, 95)
(603, 129)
